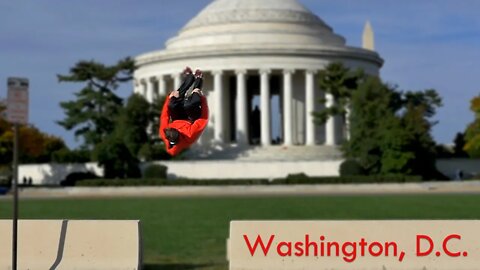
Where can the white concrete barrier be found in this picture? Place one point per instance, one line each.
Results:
(54, 173)
(231, 169)
(73, 244)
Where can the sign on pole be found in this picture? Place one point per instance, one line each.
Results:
(17, 113)
(17, 100)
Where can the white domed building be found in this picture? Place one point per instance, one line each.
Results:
(260, 61)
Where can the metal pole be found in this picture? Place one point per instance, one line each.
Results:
(15, 197)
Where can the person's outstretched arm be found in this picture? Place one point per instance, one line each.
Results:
(164, 120)
(173, 151)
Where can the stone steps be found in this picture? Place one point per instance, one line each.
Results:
(273, 153)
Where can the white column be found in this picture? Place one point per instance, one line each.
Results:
(149, 90)
(177, 80)
(162, 86)
(265, 130)
(330, 138)
(347, 121)
(241, 108)
(143, 87)
(287, 107)
(136, 86)
(309, 107)
(218, 111)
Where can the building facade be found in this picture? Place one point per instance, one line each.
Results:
(260, 60)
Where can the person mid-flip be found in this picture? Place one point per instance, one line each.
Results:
(183, 117)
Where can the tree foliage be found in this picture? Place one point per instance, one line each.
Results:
(133, 139)
(93, 112)
(115, 158)
(370, 125)
(339, 82)
(66, 155)
(459, 145)
(34, 145)
(472, 134)
(155, 148)
(390, 130)
(133, 122)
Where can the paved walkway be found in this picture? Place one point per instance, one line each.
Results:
(466, 187)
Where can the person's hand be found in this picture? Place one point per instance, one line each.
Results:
(197, 90)
(175, 94)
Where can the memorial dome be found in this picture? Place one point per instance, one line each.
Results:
(261, 60)
(252, 23)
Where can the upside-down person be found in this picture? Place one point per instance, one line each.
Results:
(183, 117)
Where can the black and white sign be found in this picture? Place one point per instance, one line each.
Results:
(17, 100)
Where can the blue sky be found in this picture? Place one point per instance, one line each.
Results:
(425, 44)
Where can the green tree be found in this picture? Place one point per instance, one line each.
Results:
(458, 145)
(118, 152)
(135, 137)
(66, 155)
(393, 142)
(133, 123)
(115, 158)
(92, 114)
(472, 134)
(138, 126)
(371, 116)
(156, 106)
(390, 130)
(155, 149)
(340, 82)
(419, 108)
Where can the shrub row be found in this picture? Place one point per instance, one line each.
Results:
(167, 182)
(303, 179)
(5, 183)
(290, 180)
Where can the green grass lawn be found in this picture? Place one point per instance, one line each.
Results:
(190, 233)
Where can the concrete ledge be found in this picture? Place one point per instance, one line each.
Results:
(73, 244)
(459, 187)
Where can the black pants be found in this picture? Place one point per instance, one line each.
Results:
(183, 108)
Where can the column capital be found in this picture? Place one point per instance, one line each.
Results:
(311, 71)
(240, 71)
(143, 80)
(217, 72)
(159, 77)
(136, 82)
(288, 71)
(175, 75)
(151, 79)
(266, 71)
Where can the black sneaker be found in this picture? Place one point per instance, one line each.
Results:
(198, 73)
(187, 71)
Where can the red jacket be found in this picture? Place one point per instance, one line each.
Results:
(189, 132)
